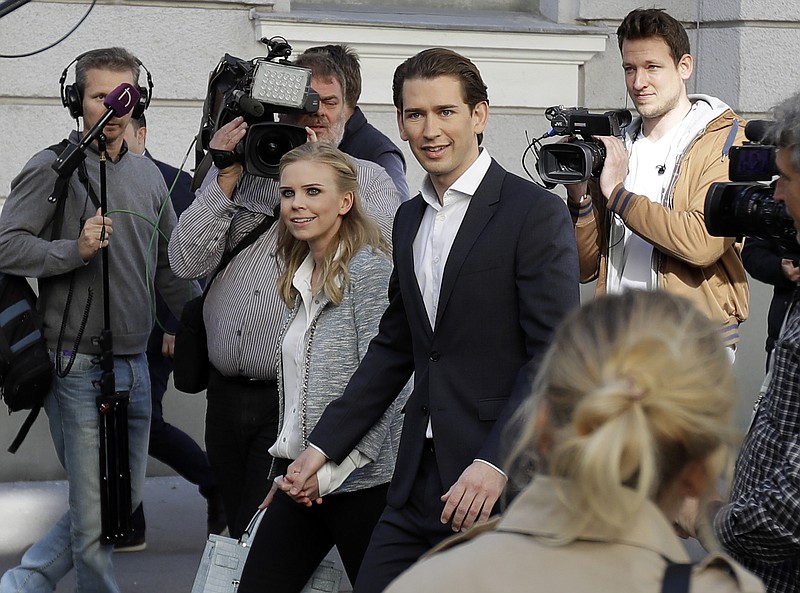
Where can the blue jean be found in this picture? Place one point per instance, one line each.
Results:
(74, 541)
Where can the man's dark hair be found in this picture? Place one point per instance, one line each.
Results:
(117, 59)
(786, 129)
(322, 66)
(138, 123)
(436, 62)
(347, 59)
(644, 23)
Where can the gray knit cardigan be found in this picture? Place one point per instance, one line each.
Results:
(335, 343)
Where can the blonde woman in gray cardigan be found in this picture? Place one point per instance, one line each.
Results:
(335, 279)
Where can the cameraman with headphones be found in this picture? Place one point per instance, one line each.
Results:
(71, 297)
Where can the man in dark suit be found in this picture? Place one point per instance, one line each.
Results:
(485, 268)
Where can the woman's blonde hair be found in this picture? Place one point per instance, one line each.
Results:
(636, 386)
(356, 230)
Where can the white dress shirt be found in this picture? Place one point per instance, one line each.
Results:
(439, 227)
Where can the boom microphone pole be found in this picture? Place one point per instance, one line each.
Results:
(112, 405)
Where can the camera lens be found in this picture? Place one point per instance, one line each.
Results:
(266, 143)
(748, 210)
(597, 150)
(271, 147)
(571, 162)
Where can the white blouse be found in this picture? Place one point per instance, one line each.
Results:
(289, 444)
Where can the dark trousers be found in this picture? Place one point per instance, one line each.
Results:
(241, 426)
(404, 534)
(293, 539)
(169, 444)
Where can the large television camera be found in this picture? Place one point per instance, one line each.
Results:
(746, 207)
(582, 157)
(257, 90)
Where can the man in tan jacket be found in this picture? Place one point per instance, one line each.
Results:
(641, 224)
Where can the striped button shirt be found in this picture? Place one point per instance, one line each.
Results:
(243, 312)
(760, 527)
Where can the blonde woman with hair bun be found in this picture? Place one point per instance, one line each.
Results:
(630, 415)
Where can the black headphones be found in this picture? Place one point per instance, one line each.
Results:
(71, 96)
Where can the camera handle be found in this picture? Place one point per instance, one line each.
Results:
(112, 406)
(277, 47)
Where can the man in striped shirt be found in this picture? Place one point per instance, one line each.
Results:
(243, 312)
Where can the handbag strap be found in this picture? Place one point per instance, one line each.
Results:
(676, 578)
(25, 428)
(246, 242)
(251, 528)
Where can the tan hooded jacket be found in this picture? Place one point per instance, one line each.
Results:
(686, 260)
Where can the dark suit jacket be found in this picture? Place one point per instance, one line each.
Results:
(511, 276)
(364, 141)
(762, 259)
(181, 196)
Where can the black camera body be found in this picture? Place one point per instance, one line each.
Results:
(744, 207)
(258, 90)
(579, 159)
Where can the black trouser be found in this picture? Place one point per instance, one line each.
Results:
(403, 535)
(293, 539)
(241, 426)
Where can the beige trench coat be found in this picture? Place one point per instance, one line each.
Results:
(514, 556)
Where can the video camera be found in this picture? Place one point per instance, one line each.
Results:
(744, 207)
(257, 90)
(578, 160)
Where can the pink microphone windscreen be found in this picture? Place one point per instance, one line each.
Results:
(122, 99)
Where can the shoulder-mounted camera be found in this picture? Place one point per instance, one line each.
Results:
(746, 206)
(257, 90)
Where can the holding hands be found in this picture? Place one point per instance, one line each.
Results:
(300, 481)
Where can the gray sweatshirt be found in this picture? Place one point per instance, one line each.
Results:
(137, 254)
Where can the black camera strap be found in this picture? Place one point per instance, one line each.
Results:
(250, 238)
(59, 197)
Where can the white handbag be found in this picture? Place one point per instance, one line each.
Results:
(224, 557)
